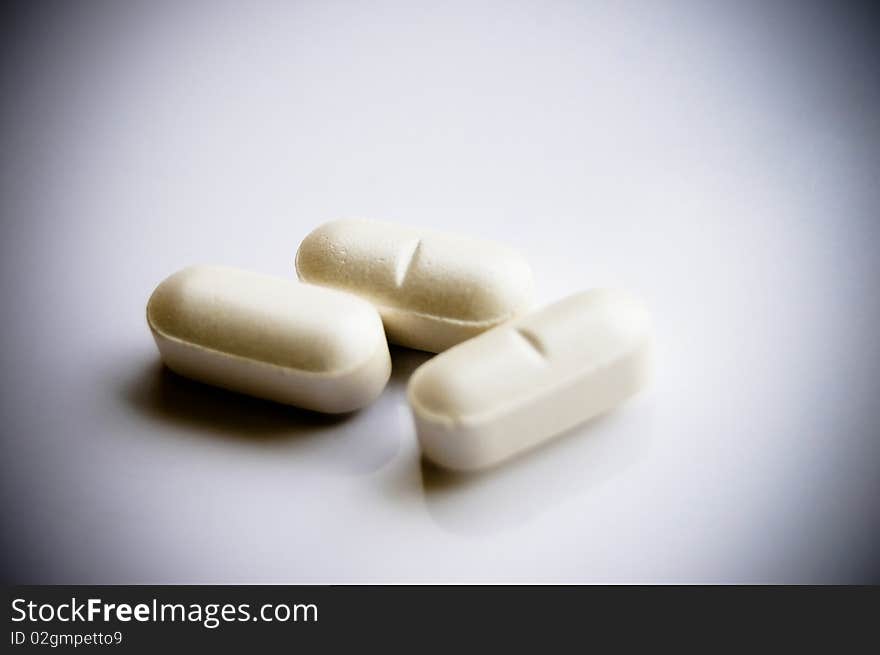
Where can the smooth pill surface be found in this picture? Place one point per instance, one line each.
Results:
(433, 290)
(520, 384)
(269, 337)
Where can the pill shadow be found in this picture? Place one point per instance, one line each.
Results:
(355, 443)
(169, 398)
(404, 362)
(558, 472)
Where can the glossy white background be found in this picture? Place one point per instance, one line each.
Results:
(721, 159)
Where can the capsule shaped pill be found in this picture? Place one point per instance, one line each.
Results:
(520, 384)
(277, 339)
(433, 290)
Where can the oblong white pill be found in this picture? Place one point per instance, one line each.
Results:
(278, 339)
(520, 384)
(433, 290)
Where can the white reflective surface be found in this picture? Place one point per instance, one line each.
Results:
(722, 163)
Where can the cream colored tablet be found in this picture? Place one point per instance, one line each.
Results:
(265, 336)
(513, 387)
(433, 290)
